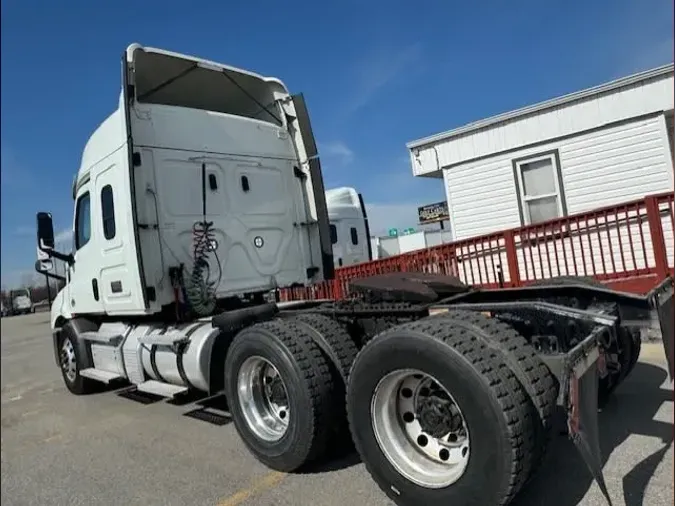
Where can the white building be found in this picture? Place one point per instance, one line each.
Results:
(597, 147)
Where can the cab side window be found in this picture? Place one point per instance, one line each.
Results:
(108, 212)
(333, 234)
(82, 221)
(355, 236)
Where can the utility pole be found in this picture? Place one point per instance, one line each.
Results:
(49, 291)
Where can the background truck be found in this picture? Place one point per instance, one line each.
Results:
(202, 192)
(21, 302)
(349, 230)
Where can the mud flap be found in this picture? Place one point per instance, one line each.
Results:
(582, 414)
(665, 305)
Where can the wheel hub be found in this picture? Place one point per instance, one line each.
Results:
(420, 428)
(68, 361)
(437, 416)
(263, 399)
(277, 392)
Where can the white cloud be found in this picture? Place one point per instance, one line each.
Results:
(337, 150)
(64, 236)
(377, 69)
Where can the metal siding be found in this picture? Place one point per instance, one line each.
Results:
(600, 168)
(615, 165)
(632, 101)
(481, 198)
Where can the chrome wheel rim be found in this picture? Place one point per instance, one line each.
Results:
(263, 399)
(68, 361)
(420, 428)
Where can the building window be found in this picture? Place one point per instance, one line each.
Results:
(333, 234)
(355, 236)
(539, 184)
(82, 221)
(108, 212)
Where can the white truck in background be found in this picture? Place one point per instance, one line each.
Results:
(21, 302)
(349, 230)
(202, 192)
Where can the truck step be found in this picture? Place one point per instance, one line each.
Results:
(168, 339)
(102, 337)
(100, 375)
(161, 389)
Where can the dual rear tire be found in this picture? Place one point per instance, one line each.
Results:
(286, 394)
(448, 409)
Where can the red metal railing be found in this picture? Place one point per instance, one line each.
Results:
(628, 246)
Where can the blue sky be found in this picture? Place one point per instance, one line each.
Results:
(375, 74)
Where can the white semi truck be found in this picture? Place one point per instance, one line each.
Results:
(202, 192)
(349, 229)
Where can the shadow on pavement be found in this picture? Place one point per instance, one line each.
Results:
(564, 479)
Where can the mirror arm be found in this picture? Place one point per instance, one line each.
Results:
(69, 258)
(53, 276)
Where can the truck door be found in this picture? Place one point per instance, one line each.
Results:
(119, 284)
(356, 241)
(337, 241)
(83, 290)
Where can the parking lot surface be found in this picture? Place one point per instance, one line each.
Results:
(103, 449)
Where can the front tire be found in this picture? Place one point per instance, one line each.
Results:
(281, 394)
(400, 438)
(72, 359)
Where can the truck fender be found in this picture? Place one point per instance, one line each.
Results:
(230, 323)
(75, 328)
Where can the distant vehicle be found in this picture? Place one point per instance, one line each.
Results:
(349, 231)
(21, 302)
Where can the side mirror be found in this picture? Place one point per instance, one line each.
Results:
(45, 231)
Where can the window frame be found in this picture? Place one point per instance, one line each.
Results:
(110, 218)
(523, 200)
(78, 216)
(354, 236)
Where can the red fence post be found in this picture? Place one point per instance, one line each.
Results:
(656, 233)
(512, 257)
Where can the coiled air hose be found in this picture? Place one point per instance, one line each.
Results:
(200, 291)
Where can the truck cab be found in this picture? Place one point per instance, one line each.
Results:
(21, 302)
(349, 230)
(203, 184)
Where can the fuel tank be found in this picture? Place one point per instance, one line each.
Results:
(177, 354)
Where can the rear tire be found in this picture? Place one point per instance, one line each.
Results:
(532, 373)
(493, 405)
(343, 352)
(284, 422)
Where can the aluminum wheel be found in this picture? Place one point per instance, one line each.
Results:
(420, 428)
(68, 360)
(263, 399)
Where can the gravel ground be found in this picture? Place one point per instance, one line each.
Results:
(59, 449)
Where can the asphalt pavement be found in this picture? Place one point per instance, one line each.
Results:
(104, 449)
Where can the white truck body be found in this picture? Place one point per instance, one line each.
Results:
(350, 235)
(139, 189)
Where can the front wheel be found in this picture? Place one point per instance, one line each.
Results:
(72, 359)
(281, 394)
